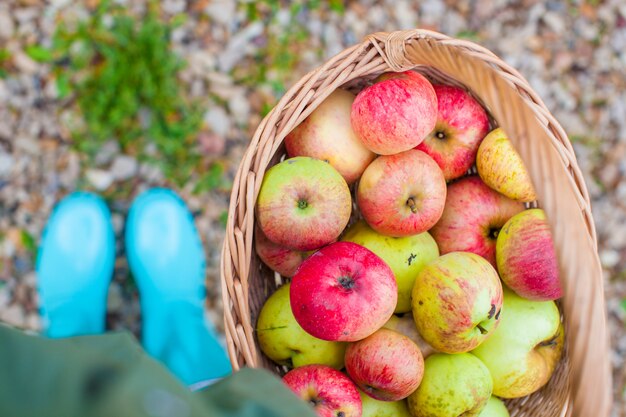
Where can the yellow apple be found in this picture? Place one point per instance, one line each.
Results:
(501, 168)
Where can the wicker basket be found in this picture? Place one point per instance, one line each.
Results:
(581, 385)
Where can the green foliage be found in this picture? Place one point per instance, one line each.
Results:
(123, 75)
(212, 179)
(471, 35)
(278, 60)
(224, 219)
(39, 53)
(5, 58)
(28, 241)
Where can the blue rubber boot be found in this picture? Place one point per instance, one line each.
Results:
(75, 266)
(166, 258)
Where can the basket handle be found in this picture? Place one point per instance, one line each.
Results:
(560, 188)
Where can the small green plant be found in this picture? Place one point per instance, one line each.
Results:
(278, 60)
(122, 74)
(39, 53)
(5, 58)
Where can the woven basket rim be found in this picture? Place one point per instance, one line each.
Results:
(550, 160)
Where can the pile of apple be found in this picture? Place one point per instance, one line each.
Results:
(440, 298)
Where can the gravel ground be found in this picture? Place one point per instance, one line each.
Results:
(571, 52)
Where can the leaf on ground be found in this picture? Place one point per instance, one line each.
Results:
(39, 53)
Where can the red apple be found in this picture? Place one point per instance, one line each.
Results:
(526, 258)
(387, 365)
(328, 135)
(402, 194)
(303, 204)
(461, 125)
(472, 219)
(278, 258)
(395, 114)
(343, 292)
(330, 392)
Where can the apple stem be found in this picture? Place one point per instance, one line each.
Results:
(346, 282)
(550, 342)
(440, 135)
(302, 204)
(411, 203)
(482, 329)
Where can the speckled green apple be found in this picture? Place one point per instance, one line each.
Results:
(494, 408)
(283, 340)
(453, 385)
(523, 352)
(525, 349)
(376, 408)
(406, 256)
(501, 168)
(457, 300)
(303, 204)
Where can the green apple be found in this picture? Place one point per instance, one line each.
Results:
(524, 350)
(283, 340)
(494, 408)
(375, 408)
(303, 204)
(406, 256)
(404, 324)
(457, 300)
(453, 385)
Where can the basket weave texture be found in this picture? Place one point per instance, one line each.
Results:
(581, 385)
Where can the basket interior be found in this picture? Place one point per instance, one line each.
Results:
(548, 401)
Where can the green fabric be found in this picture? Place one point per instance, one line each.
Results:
(110, 376)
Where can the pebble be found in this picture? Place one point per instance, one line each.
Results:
(33, 322)
(221, 11)
(431, 11)
(6, 165)
(13, 315)
(107, 152)
(69, 176)
(211, 144)
(239, 107)
(218, 121)
(99, 179)
(239, 46)
(118, 223)
(7, 27)
(173, 6)
(115, 300)
(26, 14)
(24, 63)
(404, 14)
(28, 145)
(609, 258)
(152, 174)
(123, 167)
